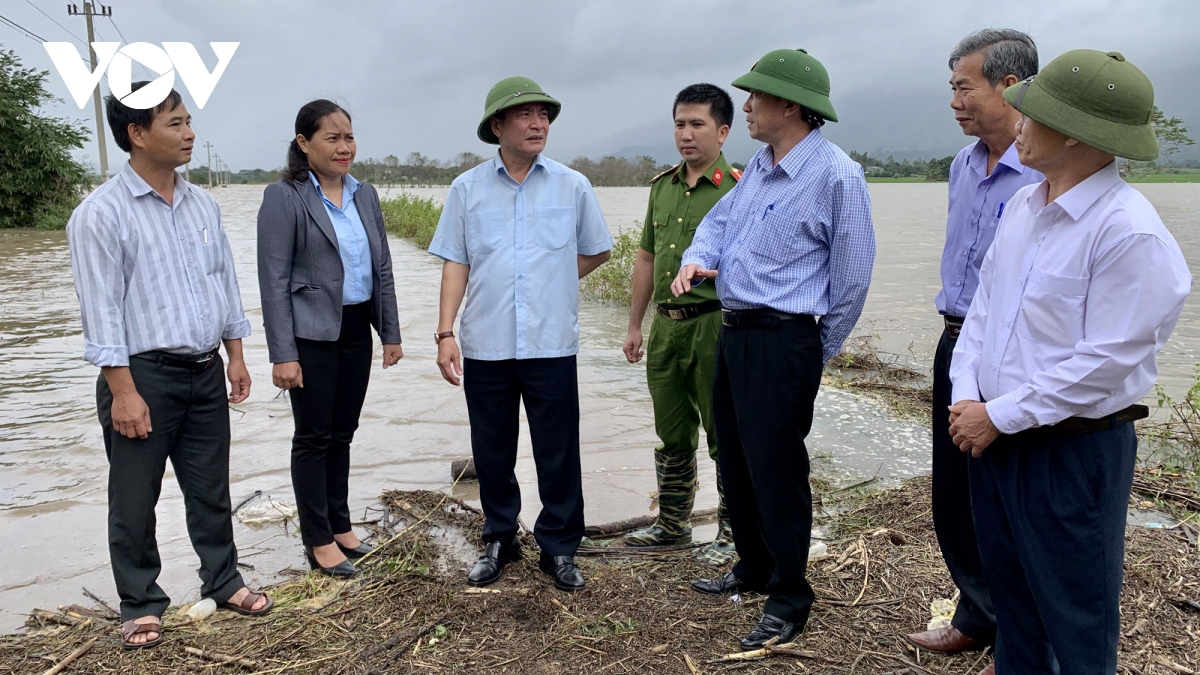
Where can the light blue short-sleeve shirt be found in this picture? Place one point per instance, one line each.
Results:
(521, 241)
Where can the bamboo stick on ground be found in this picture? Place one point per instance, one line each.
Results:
(71, 658)
(221, 659)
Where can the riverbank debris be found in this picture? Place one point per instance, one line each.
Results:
(410, 610)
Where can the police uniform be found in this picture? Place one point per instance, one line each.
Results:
(681, 351)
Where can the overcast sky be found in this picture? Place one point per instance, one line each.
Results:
(414, 74)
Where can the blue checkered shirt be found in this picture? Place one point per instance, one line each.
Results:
(795, 237)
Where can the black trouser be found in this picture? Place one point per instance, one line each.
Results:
(1052, 509)
(189, 414)
(763, 391)
(952, 509)
(550, 390)
(326, 411)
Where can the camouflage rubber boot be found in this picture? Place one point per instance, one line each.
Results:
(676, 494)
(721, 550)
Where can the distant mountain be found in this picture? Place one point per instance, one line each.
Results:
(905, 123)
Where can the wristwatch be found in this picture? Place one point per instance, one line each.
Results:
(446, 334)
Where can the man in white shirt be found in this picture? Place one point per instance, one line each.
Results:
(1080, 290)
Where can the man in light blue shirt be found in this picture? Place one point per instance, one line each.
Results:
(519, 232)
(792, 241)
(983, 177)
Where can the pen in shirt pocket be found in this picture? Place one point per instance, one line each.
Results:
(205, 235)
(770, 208)
(1000, 211)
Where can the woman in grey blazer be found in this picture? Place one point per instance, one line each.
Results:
(325, 275)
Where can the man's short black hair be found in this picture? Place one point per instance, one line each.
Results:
(120, 116)
(717, 99)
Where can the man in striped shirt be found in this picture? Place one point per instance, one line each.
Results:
(155, 278)
(792, 241)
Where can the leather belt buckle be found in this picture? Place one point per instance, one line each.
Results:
(954, 325)
(677, 314)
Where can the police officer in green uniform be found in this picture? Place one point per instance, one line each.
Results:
(681, 351)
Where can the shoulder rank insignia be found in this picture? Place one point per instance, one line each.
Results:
(737, 175)
(668, 171)
(717, 176)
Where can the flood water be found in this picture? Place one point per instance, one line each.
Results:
(53, 479)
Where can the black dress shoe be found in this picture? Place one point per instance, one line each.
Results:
(767, 628)
(491, 564)
(342, 570)
(723, 585)
(356, 553)
(567, 575)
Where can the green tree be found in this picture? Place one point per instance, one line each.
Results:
(1172, 134)
(938, 169)
(40, 183)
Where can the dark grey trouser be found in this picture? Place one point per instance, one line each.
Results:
(1050, 509)
(952, 519)
(189, 412)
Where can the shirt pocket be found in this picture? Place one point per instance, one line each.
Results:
(782, 238)
(1052, 309)
(485, 231)
(554, 227)
(660, 223)
(212, 258)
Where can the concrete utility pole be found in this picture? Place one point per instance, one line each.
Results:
(89, 10)
(217, 158)
(208, 151)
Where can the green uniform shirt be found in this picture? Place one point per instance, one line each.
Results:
(675, 211)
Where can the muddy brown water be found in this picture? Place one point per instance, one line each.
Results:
(53, 473)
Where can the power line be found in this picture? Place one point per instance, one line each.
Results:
(114, 25)
(79, 39)
(28, 33)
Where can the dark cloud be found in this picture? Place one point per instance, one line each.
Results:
(414, 74)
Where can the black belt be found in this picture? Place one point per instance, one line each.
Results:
(1084, 425)
(689, 311)
(760, 318)
(954, 324)
(188, 361)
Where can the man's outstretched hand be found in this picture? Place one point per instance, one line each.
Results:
(689, 273)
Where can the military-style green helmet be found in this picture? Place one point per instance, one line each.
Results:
(509, 92)
(793, 75)
(1096, 98)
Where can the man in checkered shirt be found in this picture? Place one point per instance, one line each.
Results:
(792, 242)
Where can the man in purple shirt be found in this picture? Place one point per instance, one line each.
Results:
(983, 176)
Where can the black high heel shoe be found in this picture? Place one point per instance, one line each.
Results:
(342, 570)
(356, 553)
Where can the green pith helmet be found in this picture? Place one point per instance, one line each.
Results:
(509, 92)
(793, 75)
(1098, 99)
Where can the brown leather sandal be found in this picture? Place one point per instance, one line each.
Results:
(132, 627)
(247, 603)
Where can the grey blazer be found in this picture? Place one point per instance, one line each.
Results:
(300, 270)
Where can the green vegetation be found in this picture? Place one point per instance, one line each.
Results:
(911, 172)
(411, 217)
(897, 179)
(619, 171)
(613, 281)
(40, 183)
(1175, 437)
(1176, 176)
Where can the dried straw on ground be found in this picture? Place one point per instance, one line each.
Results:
(411, 612)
